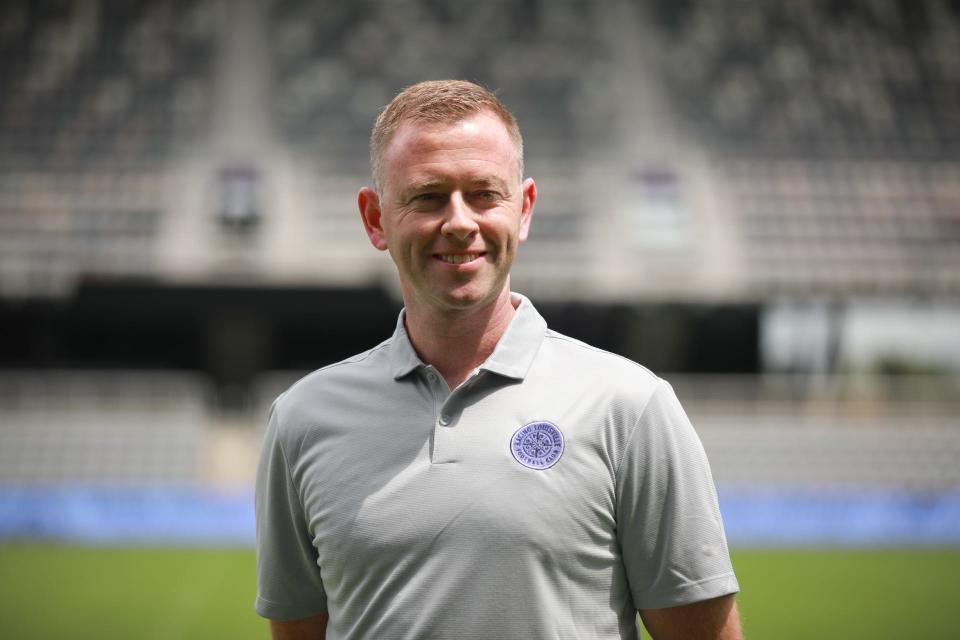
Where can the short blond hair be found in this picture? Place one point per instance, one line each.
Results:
(439, 102)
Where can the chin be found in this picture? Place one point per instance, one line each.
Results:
(464, 302)
(466, 299)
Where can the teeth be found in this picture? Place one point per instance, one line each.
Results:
(460, 258)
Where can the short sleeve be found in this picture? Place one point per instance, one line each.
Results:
(288, 576)
(668, 520)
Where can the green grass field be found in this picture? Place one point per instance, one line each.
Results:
(53, 592)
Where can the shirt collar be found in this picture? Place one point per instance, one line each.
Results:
(519, 344)
(403, 357)
(512, 357)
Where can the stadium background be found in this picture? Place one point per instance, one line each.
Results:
(760, 201)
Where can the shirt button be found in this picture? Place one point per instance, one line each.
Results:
(432, 376)
(444, 419)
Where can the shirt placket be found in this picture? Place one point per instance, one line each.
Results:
(448, 426)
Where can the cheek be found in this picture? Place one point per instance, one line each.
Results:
(410, 247)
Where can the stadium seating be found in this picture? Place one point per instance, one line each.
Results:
(101, 428)
(98, 98)
(828, 434)
(819, 78)
(842, 226)
(835, 127)
(336, 64)
(829, 131)
(102, 84)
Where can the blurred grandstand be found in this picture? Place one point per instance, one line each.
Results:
(761, 198)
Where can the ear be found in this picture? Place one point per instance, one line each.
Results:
(529, 192)
(369, 203)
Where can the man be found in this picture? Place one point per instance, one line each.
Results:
(478, 475)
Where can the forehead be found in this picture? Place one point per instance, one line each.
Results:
(478, 144)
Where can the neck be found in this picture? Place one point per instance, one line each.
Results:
(457, 342)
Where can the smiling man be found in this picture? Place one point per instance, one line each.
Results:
(478, 475)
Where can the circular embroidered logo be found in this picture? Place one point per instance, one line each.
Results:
(537, 445)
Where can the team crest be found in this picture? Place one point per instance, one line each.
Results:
(537, 445)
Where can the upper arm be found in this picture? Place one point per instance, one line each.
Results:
(313, 628)
(714, 619)
(668, 519)
(289, 582)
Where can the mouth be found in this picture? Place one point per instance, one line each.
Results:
(458, 258)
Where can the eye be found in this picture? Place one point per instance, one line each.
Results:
(427, 199)
(486, 195)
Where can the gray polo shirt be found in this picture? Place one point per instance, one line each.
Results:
(551, 495)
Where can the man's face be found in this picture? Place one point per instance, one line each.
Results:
(452, 211)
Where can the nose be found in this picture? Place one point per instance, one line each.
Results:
(458, 220)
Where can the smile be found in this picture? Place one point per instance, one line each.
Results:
(458, 258)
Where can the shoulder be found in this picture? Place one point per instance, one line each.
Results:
(596, 383)
(371, 364)
(587, 362)
(331, 387)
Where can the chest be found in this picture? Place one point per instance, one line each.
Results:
(501, 472)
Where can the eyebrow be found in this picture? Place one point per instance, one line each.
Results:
(481, 182)
(426, 185)
(496, 183)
